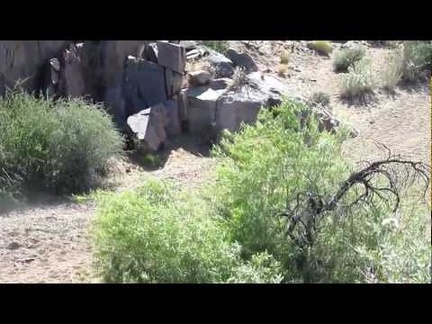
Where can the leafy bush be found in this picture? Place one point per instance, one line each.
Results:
(61, 146)
(262, 170)
(157, 234)
(322, 47)
(417, 59)
(218, 46)
(393, 71)
(358, 81)
(230, 231)
(345, 58)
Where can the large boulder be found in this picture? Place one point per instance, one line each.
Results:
(71, 71)
(173, 125)
(173, 82)
(144, 84)
(172, 56)
(202, 104)
(149, 126)
(242, 103)
(199, 78)
(239, 106)
(242, 60)
(223, 67)
(24, 60)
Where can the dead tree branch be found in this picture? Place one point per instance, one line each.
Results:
(394, 173)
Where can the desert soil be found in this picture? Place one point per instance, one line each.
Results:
(51, 242)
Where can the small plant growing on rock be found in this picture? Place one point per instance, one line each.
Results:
(322, 47)
(345, 58)
(359, 81)
(239, 78)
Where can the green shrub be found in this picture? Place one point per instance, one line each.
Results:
(160, 235)
(263, 167)
(393, 71)
(322, 47)
(230, 231)
(417, 59)
(218, 46)
(61, 146)
(345, 58)
(358, 81)
(262, 170)
(320, 98)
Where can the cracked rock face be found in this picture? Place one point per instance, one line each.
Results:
(22, 60)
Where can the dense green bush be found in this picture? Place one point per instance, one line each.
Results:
(61, 146)
(359, 80)
(157, 234)
(229, 231)
(262, 170)
(345, 58)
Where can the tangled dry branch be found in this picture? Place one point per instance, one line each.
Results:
(383, 179)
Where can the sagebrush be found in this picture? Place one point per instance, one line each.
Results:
(417, 60)
(58, 146)
(359, 81)
(345, 58)
(393, 70)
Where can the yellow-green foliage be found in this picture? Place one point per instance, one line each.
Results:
(322, 47)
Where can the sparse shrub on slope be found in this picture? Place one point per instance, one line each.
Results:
(159, 235)
(417, 60)
(359, 80)
(345, 58)
(393, 69)
(320, 98)
(61, 146)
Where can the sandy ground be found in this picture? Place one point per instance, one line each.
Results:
(51, 243)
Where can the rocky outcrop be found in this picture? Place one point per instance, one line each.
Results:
(149, 126)
(25, 60)
(199, 78)
(141, 84)
(242, 60)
